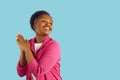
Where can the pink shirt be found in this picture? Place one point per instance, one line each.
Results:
(46, 65)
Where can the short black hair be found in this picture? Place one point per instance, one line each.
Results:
(36, 15)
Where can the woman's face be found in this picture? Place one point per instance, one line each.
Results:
(43, 25)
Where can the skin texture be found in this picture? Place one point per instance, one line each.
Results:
(42, 27)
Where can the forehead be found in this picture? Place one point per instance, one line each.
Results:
(45, 16)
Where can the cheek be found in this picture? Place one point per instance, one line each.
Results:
(40, 23)
(52, 27)
(39, 26)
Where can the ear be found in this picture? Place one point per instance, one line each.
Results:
(34, 26)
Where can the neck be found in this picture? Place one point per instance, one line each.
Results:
(39, 38)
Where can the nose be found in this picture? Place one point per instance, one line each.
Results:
(48, 23)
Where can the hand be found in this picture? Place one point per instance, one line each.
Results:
(22, 43)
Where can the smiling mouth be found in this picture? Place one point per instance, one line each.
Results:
(47, 28)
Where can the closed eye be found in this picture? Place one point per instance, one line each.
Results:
(51, 23)
(43, 20)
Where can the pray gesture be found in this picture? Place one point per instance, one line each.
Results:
(24, 46)
(22, 43)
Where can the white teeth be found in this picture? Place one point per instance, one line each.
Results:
(47, 28)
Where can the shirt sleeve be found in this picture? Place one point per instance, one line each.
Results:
(21, 70)
(48, 60)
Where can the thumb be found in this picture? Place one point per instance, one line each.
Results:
(27, 41)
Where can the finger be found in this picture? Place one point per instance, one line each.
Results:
(18, 34)
(26, 41)
(18, 42)
(20, 37)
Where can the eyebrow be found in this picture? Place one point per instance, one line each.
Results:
(47, 19)
(42, 19)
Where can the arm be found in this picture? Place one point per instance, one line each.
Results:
(49, 59)
(21, 66)
(28, 54)
(24, 45)
(22, 59)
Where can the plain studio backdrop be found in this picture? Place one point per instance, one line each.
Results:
(88, 32)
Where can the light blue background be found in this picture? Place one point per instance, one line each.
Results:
(88, 32)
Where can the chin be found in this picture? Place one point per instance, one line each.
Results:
(47, 32)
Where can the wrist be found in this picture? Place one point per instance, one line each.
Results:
(26, 49)
(21, 50)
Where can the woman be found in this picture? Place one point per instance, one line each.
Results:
(40, 56)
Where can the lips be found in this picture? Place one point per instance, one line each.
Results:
(47, 28)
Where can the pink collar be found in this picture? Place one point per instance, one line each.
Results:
(47, 38)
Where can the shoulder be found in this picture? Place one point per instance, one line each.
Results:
(52, 48)
(53, 42)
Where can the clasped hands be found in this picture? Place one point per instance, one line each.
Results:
(22, 43)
